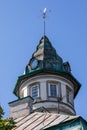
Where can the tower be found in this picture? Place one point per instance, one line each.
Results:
(46, 84)
(46, 92)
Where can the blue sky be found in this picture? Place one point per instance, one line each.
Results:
(21, 27)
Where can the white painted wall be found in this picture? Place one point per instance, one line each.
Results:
(42, 80)
(43, 91)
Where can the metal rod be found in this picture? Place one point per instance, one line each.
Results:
(44, 17)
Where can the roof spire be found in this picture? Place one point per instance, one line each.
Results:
(44, 17)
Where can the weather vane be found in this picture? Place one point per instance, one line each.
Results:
(44, 17)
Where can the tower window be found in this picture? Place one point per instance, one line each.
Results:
(35, 91)
(52, 89)
(69, 95)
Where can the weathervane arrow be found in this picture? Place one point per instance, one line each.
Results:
(44, 13)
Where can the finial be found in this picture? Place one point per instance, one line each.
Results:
(44, 13)
(44, 17)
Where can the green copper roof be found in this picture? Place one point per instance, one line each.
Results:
(45, 57)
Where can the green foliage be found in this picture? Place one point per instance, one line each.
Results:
(6, 123)
(1, 112)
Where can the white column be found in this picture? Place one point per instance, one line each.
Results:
(43, 90)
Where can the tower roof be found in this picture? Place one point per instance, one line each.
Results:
(45, 57)
(46, 60)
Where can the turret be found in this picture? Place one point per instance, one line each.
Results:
(48, 80)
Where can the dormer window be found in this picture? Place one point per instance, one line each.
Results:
(67, 66)
(35, 91)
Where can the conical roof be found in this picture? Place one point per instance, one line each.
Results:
(45, 57)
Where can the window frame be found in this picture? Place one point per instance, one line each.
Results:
(49, 89)
(38, 94)
(69, 95)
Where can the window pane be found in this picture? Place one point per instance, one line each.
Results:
(35, 92)
(53, 90)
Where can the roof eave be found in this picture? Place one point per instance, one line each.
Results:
(61, 73)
